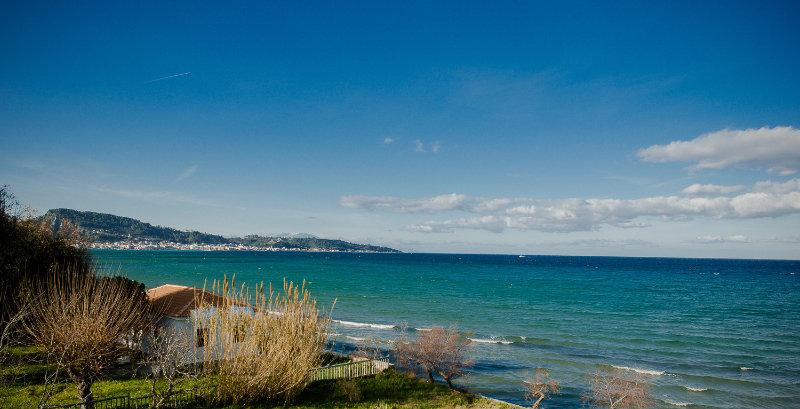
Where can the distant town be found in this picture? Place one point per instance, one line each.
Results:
(171, 245)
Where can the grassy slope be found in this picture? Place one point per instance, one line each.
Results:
(20, 386)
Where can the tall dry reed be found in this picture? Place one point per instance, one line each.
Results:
(260, 344)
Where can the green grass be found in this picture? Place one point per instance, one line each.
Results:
(21, 386)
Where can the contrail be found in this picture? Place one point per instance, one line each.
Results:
(168, 77)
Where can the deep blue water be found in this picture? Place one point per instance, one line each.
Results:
(706, 333)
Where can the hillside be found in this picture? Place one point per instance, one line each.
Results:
(109, 228)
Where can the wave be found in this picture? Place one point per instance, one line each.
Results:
(691, 389)
(676, 403)
(364, 324)
(745, 368)
(355, 338)
(490, 341)
(649, 372)
(422, 329)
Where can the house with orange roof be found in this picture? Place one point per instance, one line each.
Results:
(184, 311)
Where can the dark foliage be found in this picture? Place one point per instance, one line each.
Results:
(29, 249)
(102, 227)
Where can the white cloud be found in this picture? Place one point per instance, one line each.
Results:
(776, 149)
(737, 238)
(769, 186)
(432, 204)
(187, 173)
(388, 141)
(420, 146)
(568, 215)
(711, 190)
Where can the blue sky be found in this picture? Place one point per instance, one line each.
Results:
(355, 120)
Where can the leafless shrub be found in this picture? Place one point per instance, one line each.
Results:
(439, 350)
(166, 364)
(369, 348)
(80, 321)
(617, 389)
(264, 353)
(540, 387)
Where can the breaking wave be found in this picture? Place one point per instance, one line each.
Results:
(364, 324)
(691, 389)
(648, 372)
(490, 341)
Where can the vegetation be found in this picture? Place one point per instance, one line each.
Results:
(617, 389)
(102, 227)
(31, 248)
(165, 364)
(540, 387)
(21, 386)
(79, 321)
(266, 355)
(440, 350)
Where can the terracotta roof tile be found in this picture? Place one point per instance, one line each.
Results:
(178, 301)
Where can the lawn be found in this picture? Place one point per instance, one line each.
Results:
(22, 374)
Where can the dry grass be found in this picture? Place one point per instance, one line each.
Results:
(265, 355)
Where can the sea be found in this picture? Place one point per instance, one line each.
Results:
(704, 333)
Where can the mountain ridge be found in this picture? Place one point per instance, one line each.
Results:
(105, 228)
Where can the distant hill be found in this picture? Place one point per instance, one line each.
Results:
(108, 228)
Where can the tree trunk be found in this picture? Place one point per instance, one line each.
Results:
(538, 401)
(449, 383)
(430, 376)
(84, 387)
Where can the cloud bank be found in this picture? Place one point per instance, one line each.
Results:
(776, 149)
(766, 199)
(698, 189)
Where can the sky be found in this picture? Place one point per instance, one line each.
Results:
(588, 128)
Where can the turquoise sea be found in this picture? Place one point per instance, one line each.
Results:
(706, 333)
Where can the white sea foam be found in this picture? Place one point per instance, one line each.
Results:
(676, 403)
(355, 338)
(363, 324)
(745, 368)
(691, 389)
(649, 372)
(333, 334)
(422, 329)
(490, 341)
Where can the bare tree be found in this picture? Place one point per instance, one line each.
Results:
(10, 327)
(81, 320)
(618, 389)
(369, 348)
(540, 387)
(166, 364)
(438, 350)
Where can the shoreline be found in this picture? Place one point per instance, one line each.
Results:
(173, 246)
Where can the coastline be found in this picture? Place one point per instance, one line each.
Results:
(175, 246)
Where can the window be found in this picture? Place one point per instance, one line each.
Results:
(239, 332)
(201, 337)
